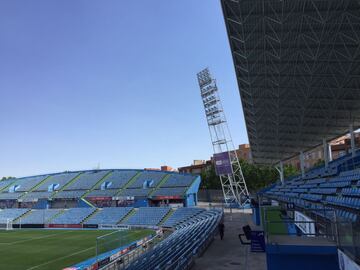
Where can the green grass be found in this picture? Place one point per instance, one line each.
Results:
(274, 225)
(52, 249)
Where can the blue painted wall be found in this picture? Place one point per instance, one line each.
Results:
(285, 257)
(81, 203)
(256, 215)
(191, 193)
(140, 203)
(41, 204)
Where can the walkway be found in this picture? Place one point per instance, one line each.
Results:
(229, 254)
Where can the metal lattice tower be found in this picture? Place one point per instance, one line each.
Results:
(232, 182)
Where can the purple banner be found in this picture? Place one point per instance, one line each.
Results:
(222, 163)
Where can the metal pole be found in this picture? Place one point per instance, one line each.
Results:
(280, 170)
(352, 138)
(330, 152)
(302, 164)
(326, 156)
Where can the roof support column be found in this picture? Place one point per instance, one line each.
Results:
(326, 153)
(330, 152)
(280, 169)
(352, 138)
(302, 164)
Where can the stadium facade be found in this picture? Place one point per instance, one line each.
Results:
(134, 188)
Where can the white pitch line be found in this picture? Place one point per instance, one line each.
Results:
(31, 239)
(70, 255)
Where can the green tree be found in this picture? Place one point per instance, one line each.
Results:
(319, 162)
(209, 179)
(256, 176)
(6, 178)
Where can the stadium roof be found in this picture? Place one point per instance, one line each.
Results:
(297, 64)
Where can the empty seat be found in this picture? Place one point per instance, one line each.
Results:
(148, 178)
(11, 213)
(148, 216)
(86, 180)
(181, 215)
(57, 181)
(109, 215)
(73, 216)
(40, 216)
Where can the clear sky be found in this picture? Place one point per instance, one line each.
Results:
(85, 82)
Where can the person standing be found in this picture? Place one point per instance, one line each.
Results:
(221, 230)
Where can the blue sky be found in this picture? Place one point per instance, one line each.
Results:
(110, 82)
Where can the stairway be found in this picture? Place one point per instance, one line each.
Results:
(58, 214)
(163, 180)
(96, 184)
(89, 216)
(169, 214)
(131, 180)
(125, 218)
(67, 184)
(36, 186)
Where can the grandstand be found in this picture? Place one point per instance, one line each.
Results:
(176, 251)
(112, 187)
(151, 216)
(115, 200)
(190, 231)
(36, 216)
(109, 215)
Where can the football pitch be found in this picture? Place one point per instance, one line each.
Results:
(52, 249)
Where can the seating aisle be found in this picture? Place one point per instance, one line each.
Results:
(229, 254)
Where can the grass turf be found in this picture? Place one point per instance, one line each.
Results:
(274, 225)
(52, 249)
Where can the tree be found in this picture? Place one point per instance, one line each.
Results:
(256, 176)
(319, 162)
(6, 178)
(209, 179)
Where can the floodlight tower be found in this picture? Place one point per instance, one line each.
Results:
(226, 161)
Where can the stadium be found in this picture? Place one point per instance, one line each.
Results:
(125, 213)
(297, 66)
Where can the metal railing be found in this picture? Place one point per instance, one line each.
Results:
(328, 226)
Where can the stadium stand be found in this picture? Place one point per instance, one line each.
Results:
(12, 213)
(25, 184)
(86, 180)
(102, 193)
(338, 192)
(147, 179)
(6, 183)
(176, 180)
(139, 192)
(11, 195)
(39, 216)
(151, 216)
(181, 215)
(176, 191)
(177, 250)
(36, 195)
(117, 179)
(95, 184)
(110, 215)
(70, 194)
(147, 216)
(57, 181)
(73, 216)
